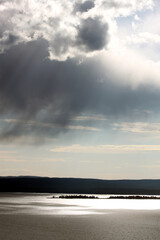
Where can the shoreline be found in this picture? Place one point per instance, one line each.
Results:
(72, 196)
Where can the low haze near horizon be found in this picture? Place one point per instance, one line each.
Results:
(80, 88)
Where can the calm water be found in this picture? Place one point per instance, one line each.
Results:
(39, 216)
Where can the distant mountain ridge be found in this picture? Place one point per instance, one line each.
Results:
(78, 185)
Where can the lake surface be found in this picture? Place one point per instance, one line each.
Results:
(39, 216)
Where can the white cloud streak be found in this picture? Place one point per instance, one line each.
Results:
(91, 118)
(9, 156)
(106, 149)
(51, 125)
(52, 160)
(138, 127)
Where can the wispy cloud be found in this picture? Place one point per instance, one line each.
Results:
(54, 160)
(143, 38)
(154, 166)
(10, 159)
(83, 128)
(16, 171)
(92, 161)
(105, 149)
(7, 152)
(138, 127)
(91, 118)
(51, 125)
(8, 155)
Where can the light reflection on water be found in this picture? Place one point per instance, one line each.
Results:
(45, 204)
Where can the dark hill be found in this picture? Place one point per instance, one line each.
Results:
(78, 185)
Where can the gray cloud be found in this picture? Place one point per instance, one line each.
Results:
(84, 6)
(61, 44)
(8, 39)
(116, 4)
(34, 89)
(56, 22)
(93, 34)
(126, 5)
(60, 22)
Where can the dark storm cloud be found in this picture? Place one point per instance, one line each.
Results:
(93, 34)
(40, 97)
(84, 6)
(8, 39)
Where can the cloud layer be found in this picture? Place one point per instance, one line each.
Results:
(56, 68)
(44, 97)
(70, 27)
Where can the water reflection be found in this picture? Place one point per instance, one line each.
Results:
(45, 204)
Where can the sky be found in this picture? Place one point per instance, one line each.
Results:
(80, 88)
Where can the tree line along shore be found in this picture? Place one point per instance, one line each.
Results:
(110, 197)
